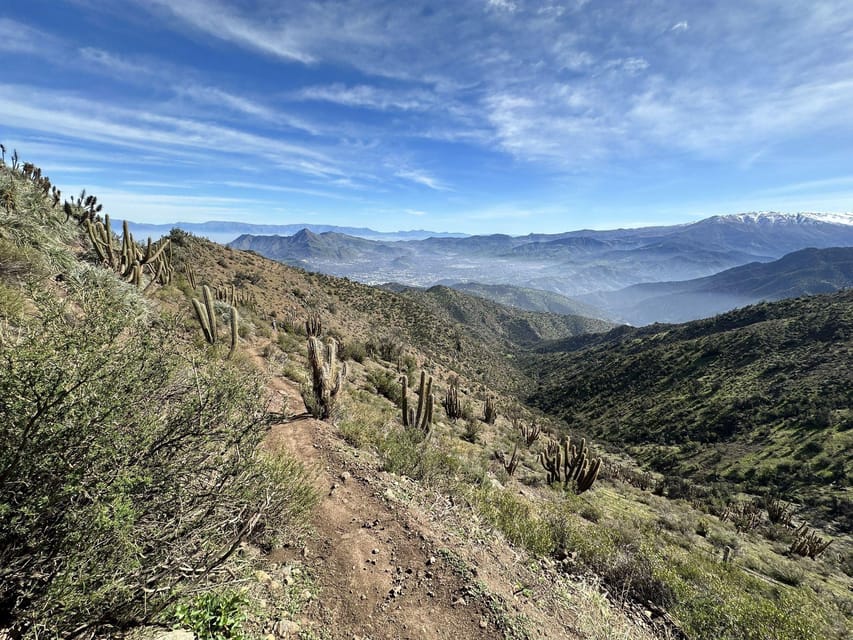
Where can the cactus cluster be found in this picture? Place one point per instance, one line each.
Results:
(808, 543)
(230, 295)
(327, 376)
(84, 209)
(313, 325)
(190, 275)
(779, 512)
(452, 405)
(565, 462)
(490, 410)
(127, 258)
(422, 418)
(745, 516)
(206, 316)
(529, 432)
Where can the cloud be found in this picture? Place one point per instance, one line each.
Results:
(17, 37)
(423, 178)
(220, 21)
(368, 97)
(414, 212)
(502, 5)
(680, 26)
(179, 138)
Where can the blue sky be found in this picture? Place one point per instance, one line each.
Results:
(469, 115)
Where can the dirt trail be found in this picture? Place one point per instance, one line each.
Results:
(380, 574)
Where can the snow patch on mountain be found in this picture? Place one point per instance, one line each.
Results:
(773, 217)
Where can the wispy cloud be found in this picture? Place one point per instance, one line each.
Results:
(680, 26)
(369, 97)
(421, 177)
(17, 37)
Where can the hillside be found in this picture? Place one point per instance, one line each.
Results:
(205, 439)
(804, 272)
(759, 398)
(530, 299)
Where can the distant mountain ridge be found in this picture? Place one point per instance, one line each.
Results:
(804, 272)
(570, 264)
(226, 231)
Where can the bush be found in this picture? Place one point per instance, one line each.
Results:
(125, 471)
(214, 616)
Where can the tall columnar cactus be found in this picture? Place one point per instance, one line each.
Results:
(490, 410)
(127, 259)
(235, 331)
(422, 418)
(206, 314)
(452, 404)
(570, 465)
(808, 543)
(327, 376)
(313, 326)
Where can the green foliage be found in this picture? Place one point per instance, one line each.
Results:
(126, 470)
(760, 396)
(214, 616)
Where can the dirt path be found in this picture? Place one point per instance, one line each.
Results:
(380, 574)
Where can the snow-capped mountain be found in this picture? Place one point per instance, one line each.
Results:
(774, 217)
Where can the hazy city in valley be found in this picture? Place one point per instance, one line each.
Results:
(482, 320)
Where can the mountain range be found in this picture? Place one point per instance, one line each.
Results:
(224, 232)
(804, 272)
(588, 264)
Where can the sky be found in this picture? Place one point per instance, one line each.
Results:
(476, 116)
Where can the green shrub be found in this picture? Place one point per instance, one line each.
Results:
(125, 469)
(214, 616)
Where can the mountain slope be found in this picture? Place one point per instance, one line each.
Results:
(804, 272)
(530, 299)
(761, 397)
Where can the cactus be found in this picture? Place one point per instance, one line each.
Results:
(206, 315)
(127, 260)
(422, 418)
(808, 543)
(490, 410)
(565, 462)
(189, 273)
(778, 512)
(512, 464)
(235, 321)
(313, 326)
(452, 404)
(327, 376)
(529, 432)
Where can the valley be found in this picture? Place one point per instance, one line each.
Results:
(707, 495)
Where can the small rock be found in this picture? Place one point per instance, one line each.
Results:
(483, 624)
(460, 601)
(307, 595)
(431, 560)
(430, 594)
(286, 629)
(275, 585)
(345, 476)
(263, 577)
(375, 551)
(178, 634)
(389, 495)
